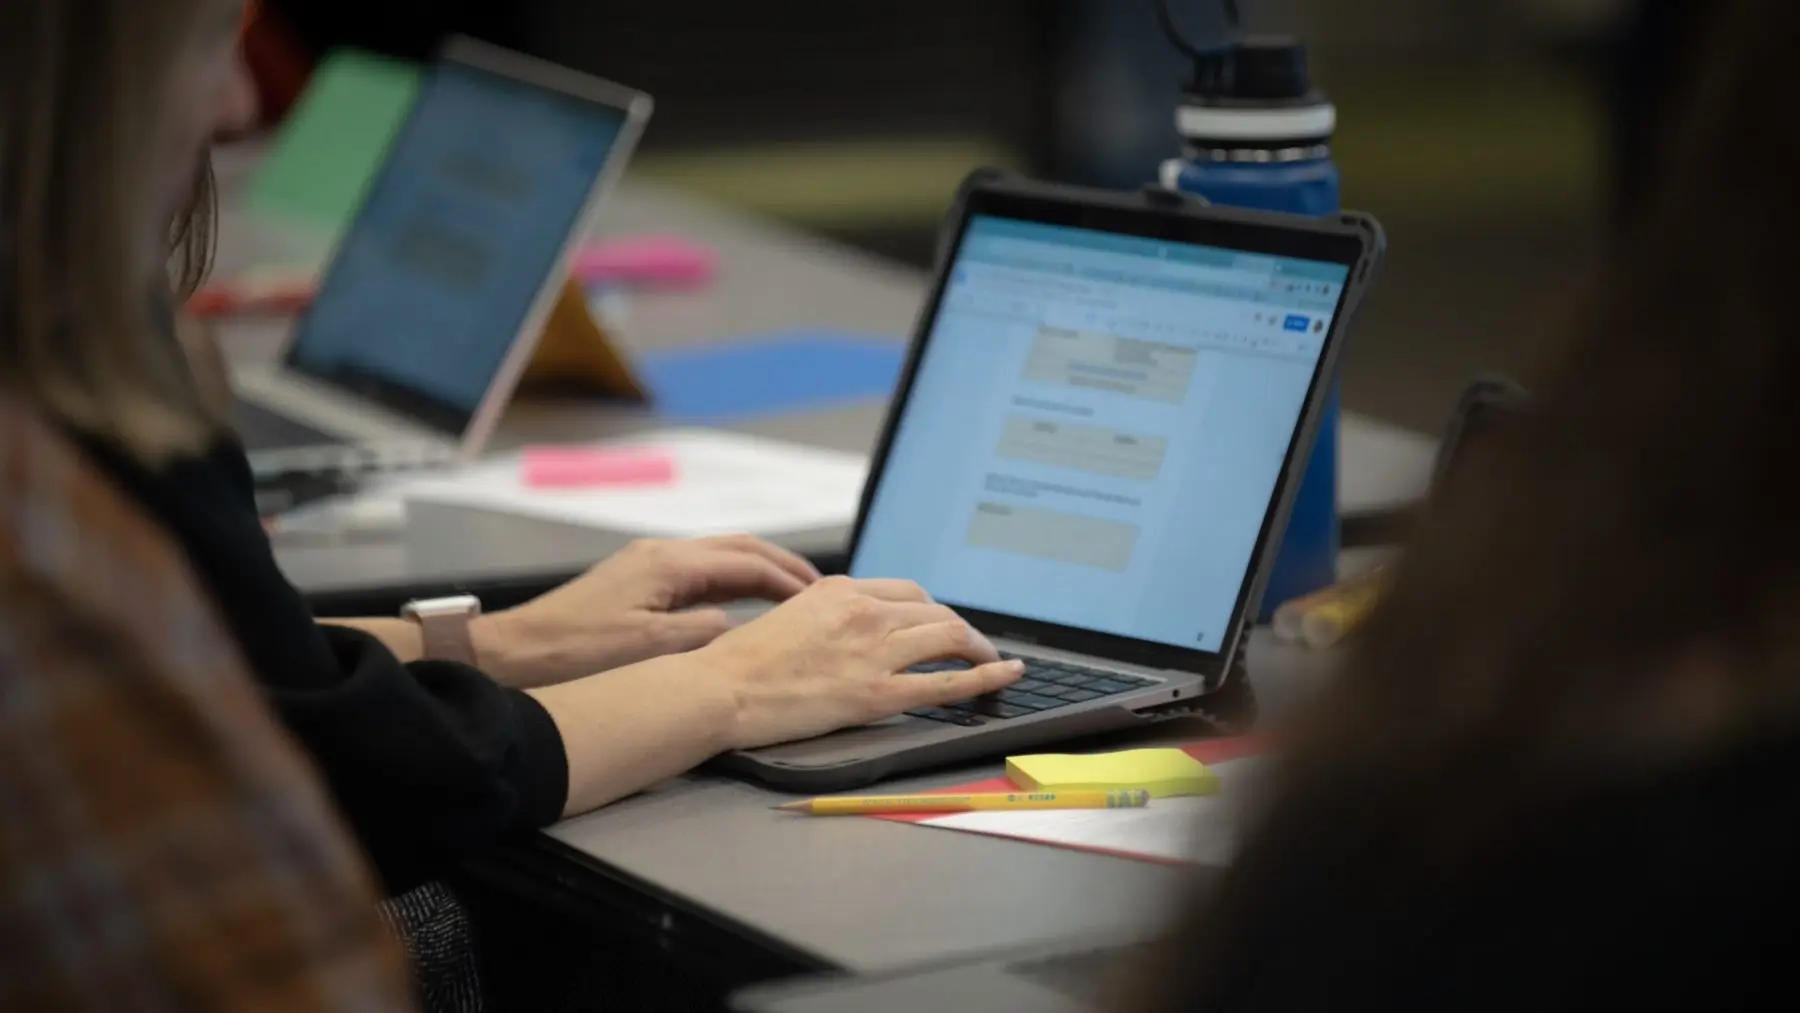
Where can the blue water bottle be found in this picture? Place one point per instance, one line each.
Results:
(1256, 134)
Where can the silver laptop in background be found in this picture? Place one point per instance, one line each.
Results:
(434, 298)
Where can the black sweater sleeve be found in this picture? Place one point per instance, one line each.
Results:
(429, 762)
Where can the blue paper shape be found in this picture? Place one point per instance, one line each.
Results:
(769, 374)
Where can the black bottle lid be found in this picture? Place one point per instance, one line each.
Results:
(1254, 99)
(1268, 71)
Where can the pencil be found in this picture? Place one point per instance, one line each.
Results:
(876, 805)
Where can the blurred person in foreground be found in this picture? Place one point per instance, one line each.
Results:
(163, 845)
(1562, 769)
(110, 106)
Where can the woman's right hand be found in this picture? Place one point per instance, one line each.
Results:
(832, 657)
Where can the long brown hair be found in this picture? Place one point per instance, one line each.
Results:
(84, 94)
(1615, 589)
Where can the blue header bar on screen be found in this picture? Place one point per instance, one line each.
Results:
(1188, 268)
(989, 235)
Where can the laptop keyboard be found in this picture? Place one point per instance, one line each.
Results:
(261, 429)
(1046, 686)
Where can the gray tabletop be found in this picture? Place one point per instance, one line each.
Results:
(866, 895)
(858, 894)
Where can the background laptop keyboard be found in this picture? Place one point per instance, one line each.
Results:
(261, 429)
(1045, 686)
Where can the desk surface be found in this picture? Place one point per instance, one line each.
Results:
(857, 894)
(867, 895)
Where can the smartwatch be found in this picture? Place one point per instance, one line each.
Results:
(446, 626)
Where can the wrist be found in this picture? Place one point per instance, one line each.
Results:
(494, 655)
(515, 650)
(721, 700)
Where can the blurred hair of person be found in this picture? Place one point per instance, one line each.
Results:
(163, 845)
(1562, 768)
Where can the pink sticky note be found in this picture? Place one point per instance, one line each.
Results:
(654, 261)
(584, 467)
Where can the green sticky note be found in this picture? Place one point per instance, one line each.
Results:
(335, 138)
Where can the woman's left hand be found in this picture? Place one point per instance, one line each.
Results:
(647, 600)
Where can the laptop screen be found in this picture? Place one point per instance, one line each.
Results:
(1097, 427)
(456, 238)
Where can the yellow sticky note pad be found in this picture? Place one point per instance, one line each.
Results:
(1164, 773)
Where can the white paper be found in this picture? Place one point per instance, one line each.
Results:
(1202, 829)
(725, 483)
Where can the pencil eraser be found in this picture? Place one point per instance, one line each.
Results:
(585, 467)
(649, 261)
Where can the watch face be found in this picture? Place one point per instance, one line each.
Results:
(458, 605)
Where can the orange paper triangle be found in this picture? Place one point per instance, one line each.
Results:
(575, 351)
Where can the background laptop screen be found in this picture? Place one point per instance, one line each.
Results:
(454, 241)
(1095, 433)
